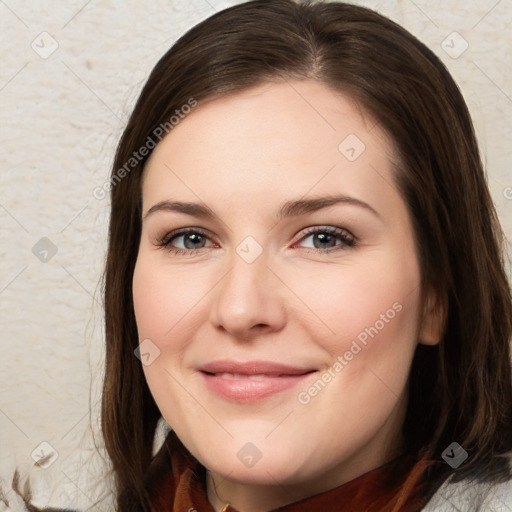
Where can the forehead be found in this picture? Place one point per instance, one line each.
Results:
(286, 138)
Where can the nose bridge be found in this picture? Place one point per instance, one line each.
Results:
(248, 294)
(247, 276)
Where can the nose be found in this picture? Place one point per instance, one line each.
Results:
(249, 300)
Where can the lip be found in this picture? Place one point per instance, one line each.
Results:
(251, 380)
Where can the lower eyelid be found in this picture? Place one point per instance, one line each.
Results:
(344, 244)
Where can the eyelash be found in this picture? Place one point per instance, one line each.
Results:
(346, 238)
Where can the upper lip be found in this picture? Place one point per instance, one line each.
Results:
(269, 368)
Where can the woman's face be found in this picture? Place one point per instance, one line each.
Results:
(279, 329)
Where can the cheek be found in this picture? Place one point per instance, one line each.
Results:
(165, 301)
(373, 311)
(370, 316)
(167, 305)
(159, 305)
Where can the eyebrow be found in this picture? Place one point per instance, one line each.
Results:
(289, 209)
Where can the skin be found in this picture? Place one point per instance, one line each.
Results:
(299, 302)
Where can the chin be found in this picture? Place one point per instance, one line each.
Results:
(257, 462)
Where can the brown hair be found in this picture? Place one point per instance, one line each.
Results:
(460, 390)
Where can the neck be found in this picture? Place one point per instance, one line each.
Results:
(246, 497)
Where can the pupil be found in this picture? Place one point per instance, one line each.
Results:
(192, 238)
(323, 239)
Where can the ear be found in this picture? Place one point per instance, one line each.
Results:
(433, 321)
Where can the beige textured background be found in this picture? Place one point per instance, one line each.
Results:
(70, 74)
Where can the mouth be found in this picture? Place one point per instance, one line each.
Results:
(252, 380)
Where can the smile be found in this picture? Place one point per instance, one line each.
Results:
(251, 381)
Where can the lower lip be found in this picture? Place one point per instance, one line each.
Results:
(247, 390)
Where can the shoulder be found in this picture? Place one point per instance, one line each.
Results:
(472, 495)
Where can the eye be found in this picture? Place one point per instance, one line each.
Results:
(190, 239)
(326, 238)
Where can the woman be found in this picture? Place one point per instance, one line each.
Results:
(306, 262)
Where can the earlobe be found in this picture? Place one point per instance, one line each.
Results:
(433, 321)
